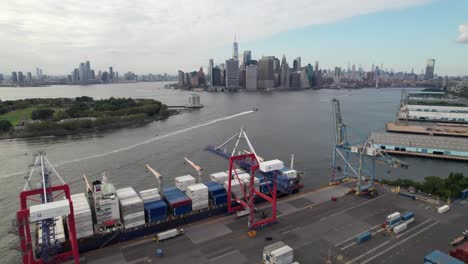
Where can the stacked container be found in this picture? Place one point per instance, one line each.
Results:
(278, 253)
(82, 214)
(461, 252)
(439, 257)
(177, 201)
(155, 211)
(216, 193)
(198, 193)
(219, 177)
(236, 188)
(151, 195)
(131, 207)
(182, 182)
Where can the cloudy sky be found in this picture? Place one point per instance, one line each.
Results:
(166, 35)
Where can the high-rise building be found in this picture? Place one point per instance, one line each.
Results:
(29, 77)
(82, 70)
(93, 75)
(304, 79)
(105, 77)
(235, 50)
(337, 76)
(242, 77)
(88, 71)
(14, 77)
(75, 75)
(298, 63)
(265, 73)
(430, 63)
(20, 77)
(216, 77)
(1, 78)
(251, 77)
(210, 72)
(111, 74)
(295, 65)
(38, 73)
(295, 80)
(232, 74)
(310, 74)
(247, 58)
(188, 80)
(285, 74)
(181, 78)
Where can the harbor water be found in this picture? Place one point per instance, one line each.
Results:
(299, 122)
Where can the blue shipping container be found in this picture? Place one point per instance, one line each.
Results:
(407, 215)
(219, 199)
(214, 188)
(363, 237)
(265, 187)
(438, 257)
(155, 211)
(181, 210)
(174, 196)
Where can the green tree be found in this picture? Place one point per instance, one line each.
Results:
(42, 114)
(5, 125)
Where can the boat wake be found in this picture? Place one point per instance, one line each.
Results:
(140, 143)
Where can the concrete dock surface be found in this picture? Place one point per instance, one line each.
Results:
(313, 226)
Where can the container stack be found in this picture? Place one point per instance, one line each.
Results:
(265, 187)
(151, 195)
(58, 229)
(155, 211)
(219, 177)
(278, 253)
(461, 252)
(236, 188)
(177, 201)
(82, 214)
(131, 207)
(182, 182)
(216, 193)
(198, 193)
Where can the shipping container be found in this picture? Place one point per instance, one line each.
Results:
(219, 177)
(362, 237)
(400, 228)
(49, 210)
(461, 252)
(214, 188)
(443, 209)
(219, 199)
(464, 194)
(182, 182)
(271, 165)
(438, 257)
(155, 211)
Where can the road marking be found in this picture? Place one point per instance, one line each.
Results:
(341, 243)
(423, 223)
(229, 253)
(397, 244)
(368, 252)
(378, 231)
(361, 204)
(347, 246)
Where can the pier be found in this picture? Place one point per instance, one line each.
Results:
(438, 129)
(454, 148)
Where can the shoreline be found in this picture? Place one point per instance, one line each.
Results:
(88, 130)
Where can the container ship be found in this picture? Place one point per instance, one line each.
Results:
(59, 229)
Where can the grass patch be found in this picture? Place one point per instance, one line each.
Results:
(17, 115)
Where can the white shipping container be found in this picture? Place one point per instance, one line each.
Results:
(219, 177)
(291, 174)
(443, 209)
(84, 234)
(134, 215)
(393, 216)
(49, 210)
(399, 228)
(271, 165)
(169, 234)
(135, 224)
(182, 182)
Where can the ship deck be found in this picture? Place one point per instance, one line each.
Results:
(437, 129)
(312, 225)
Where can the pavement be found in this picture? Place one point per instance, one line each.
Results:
(314, 226)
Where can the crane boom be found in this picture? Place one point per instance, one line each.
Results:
(158, 177)
(196, 167)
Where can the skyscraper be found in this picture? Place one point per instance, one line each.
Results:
(29, 77)
(310, 74)
(235, 50)
(295, 80)
(1, 78)
(304, 79)
(82, 70)
(265, 73)
(247, 58)
(295, 65)
(210, 72)
(337, 76)
(285, 74)
(20, 77)
(181, 78)
(430, 63)
(111, 74)
(298, 63)
(232, 74)
(88, 71)
(216, 76)
(75, 75)
(251, 77)
(14, 77)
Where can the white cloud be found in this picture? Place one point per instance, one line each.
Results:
(463, 38)
(152, 36)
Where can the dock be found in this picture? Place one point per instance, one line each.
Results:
(314, 226)
(438, 129)
(455, 148)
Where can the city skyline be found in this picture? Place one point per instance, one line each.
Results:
(401, 34)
